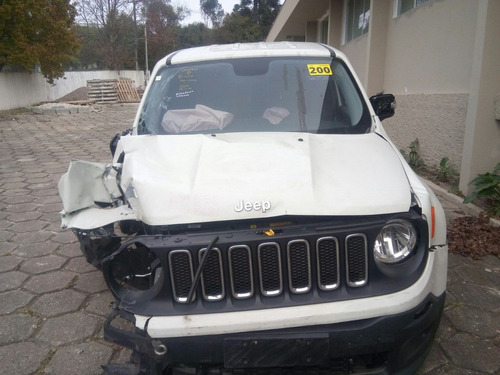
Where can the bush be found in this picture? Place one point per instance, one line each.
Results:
(487, 185)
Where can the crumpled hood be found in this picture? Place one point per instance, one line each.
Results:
(203, 178)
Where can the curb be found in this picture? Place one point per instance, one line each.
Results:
(469, 208)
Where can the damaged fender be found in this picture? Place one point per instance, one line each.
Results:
(86, 184)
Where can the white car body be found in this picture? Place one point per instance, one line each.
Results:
(190, 179)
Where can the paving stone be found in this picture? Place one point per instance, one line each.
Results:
(14, 185)
(52, 217)
(68, 328)
(53, 304)
(50, 282)
(79, 359)
(13, 300)
(34, 250)
(485, 358)
(32, 237)
(64, 237)
(24, 216)
(22, 358)
(44, 192)
(476, 295)
(484, 276)
(457, 259)
(11, 280)
(15, 192)
(9, 262)
(16, 327)
(43, 264)
(40, 186)
(51, 207)
(445, 329)
(7, 235)
(22, 207)
(80, 265)
(70, 250)
(434, 360)
(91, 282)
(15, 199)
(5, 247)
(28, 226)
(472, 320)
(100, 304)
(48, 199)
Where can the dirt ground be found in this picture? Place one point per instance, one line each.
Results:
(474, 237)
(79, 94)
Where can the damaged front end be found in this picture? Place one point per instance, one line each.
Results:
(97, 210)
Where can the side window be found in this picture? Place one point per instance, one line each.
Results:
(402, 6)
(357, 18)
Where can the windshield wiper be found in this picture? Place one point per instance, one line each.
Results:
(199, 270)
(301, 103)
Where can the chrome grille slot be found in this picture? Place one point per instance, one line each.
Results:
(240, 270)
(181, 274)
(271, 275)
(356, 260)
(212, 278)
(328, 263)
(299, 266)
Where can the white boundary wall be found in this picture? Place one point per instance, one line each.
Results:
(22, 89)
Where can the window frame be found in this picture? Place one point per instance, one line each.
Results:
(349, 26)
(397, 5)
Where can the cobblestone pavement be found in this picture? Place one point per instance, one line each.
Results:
(53, 304)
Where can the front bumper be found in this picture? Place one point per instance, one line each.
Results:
(393, 344)
(387, 334)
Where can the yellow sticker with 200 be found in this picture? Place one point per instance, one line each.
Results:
(319, 69)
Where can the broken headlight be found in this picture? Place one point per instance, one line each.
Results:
(133, 273)
(395, 242)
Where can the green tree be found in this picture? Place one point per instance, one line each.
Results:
(262, 12)
(113, 21)
(250, 21)
(37, 32)
(237, 28)
(90, 56)
(194, 34)
(212, 11)
(162, 23)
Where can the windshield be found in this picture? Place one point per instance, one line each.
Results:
(315, 95)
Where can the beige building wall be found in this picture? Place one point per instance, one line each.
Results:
(356, 51)
(428, 67)
(482, 136)
(429, 48)
(441, 60)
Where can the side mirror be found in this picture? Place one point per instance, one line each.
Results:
(383, 105)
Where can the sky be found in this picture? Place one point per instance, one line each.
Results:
(194, 6)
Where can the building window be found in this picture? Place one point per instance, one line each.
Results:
(357, 18)
(323, 31)
(406, 5)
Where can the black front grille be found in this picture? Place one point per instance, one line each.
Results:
(240, 268)
(271, 280)
(212, 279)
(181, 272)
(328, 263)
(300, 264)
(356, 256)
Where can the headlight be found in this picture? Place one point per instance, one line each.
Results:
(134, 273)
(395, 242)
